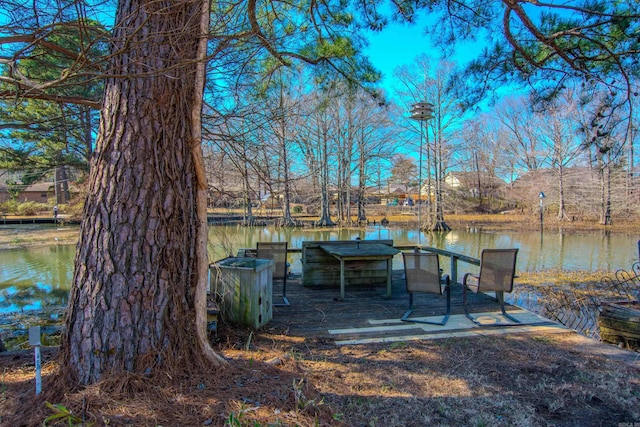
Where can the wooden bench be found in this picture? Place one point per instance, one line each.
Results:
(319, 268)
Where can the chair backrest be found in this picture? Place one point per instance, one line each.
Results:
(422, 270)
(276, 251)
(497, 270)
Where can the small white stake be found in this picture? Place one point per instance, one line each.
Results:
(34, 340)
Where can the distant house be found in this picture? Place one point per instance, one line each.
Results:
(39, 192)
(392, 195)
(402, 195)
(475, 183)
(11, 185)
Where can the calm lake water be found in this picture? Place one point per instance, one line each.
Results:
(35, 277)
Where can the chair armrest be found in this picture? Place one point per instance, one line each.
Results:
(466, 277)
(472, 287)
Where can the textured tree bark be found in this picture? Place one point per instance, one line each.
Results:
(140, 256)
(203, 186)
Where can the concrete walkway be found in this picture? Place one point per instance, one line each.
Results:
(394, 330)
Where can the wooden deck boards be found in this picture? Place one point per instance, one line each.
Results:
(366, 312)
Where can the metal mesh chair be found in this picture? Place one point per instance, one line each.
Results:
(497, 271)
(423, 275)
(276, 251)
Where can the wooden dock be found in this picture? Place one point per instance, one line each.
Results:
(366, 315)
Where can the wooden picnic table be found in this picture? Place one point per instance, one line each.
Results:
(361, 251)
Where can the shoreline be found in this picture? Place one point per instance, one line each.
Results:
(17, 236)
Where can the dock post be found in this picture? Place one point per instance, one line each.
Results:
(454, 269)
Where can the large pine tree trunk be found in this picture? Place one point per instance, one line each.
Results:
(140, 259)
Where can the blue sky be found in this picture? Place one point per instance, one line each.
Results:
(400, 44)
(395, 46)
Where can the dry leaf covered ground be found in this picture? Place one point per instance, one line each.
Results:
(278, 380)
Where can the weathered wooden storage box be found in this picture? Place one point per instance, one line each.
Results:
(619, 321)
(244, 288)
(321, 269)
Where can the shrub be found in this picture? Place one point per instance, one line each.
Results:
(31, 208)
(9, 207)
(74, 209)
